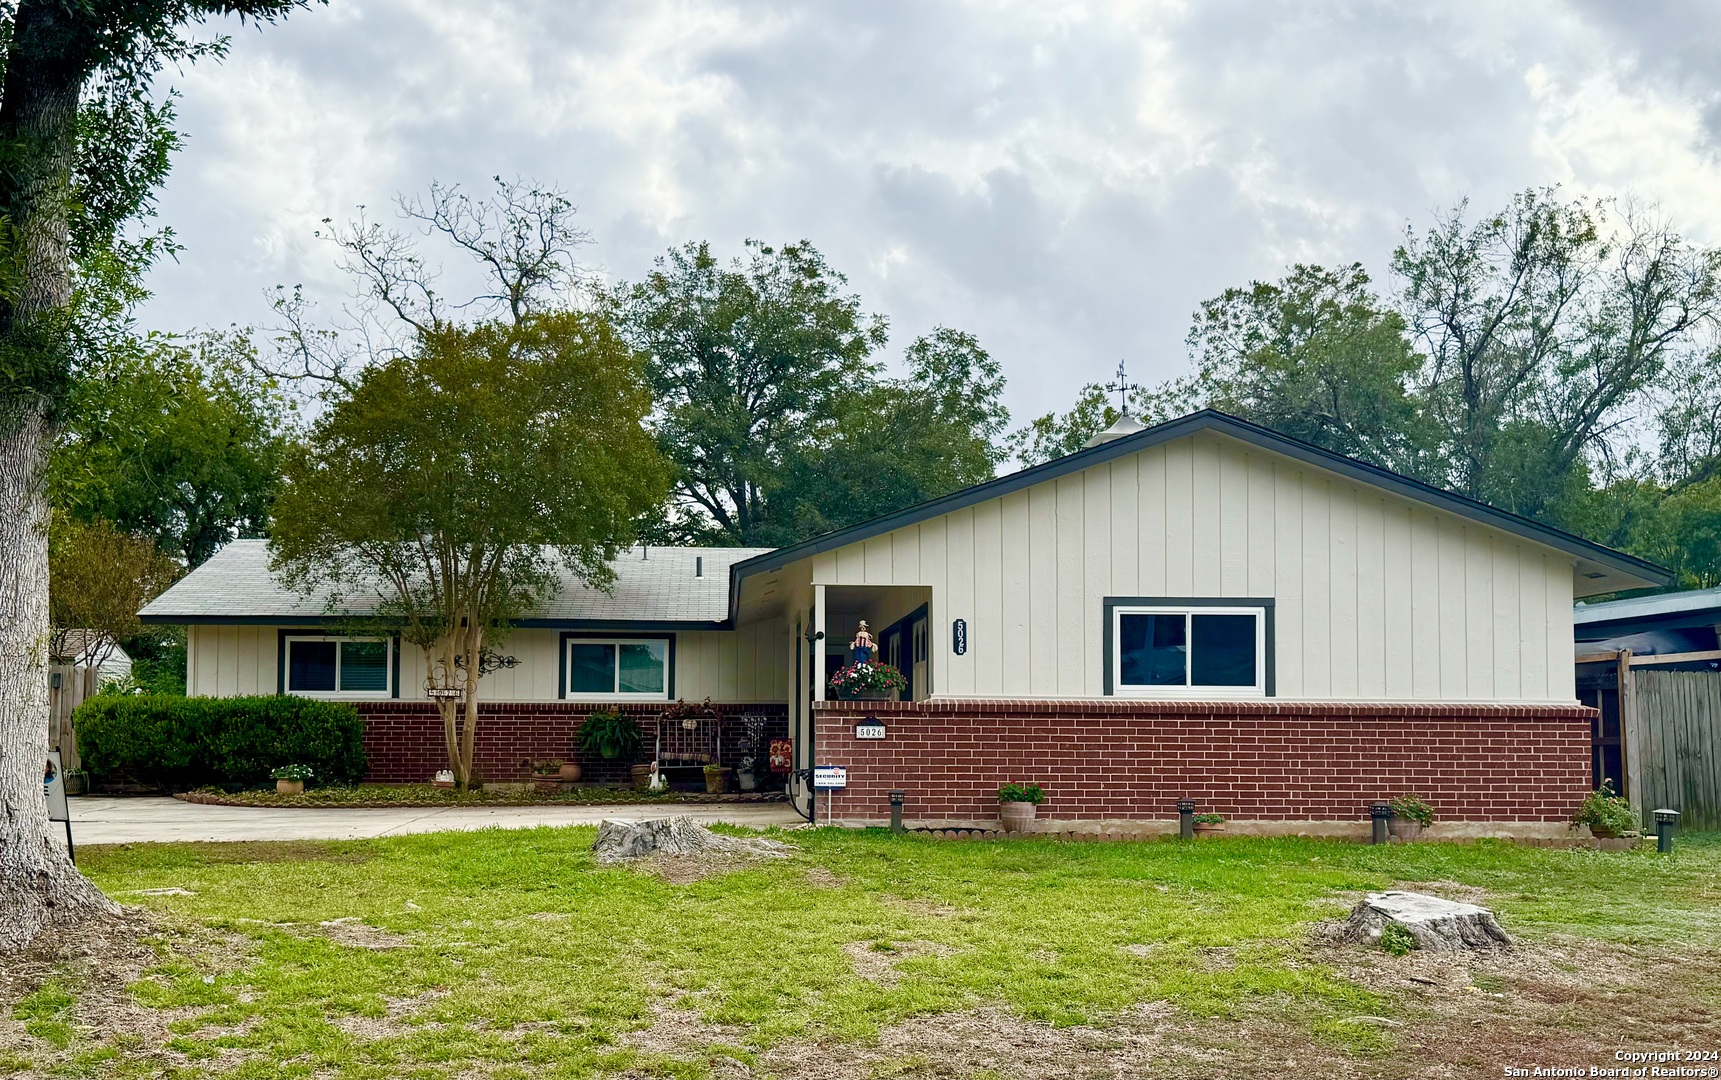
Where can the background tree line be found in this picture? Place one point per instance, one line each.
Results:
(1557, 359)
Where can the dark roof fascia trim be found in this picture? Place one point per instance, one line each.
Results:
(529, 624)
(1205, 420)
(625, 624)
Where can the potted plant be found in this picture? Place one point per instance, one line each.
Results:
(1016, 803)
(689, 715)
(290, 779)
(1209, 824)
(746, 775)
(869, 681)
(76, 781)
(613, 737)
(717, 779)
(1410, 815)
(569, 773)
(547, 775)
(1609, 816)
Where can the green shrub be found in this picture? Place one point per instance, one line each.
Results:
(180, 742)
(1028, 793)
(1397, 940)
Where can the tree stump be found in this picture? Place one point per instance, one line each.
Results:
(1437, 925)
(620, 839)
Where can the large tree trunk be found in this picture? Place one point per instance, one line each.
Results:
(39, 886)
(46, 66)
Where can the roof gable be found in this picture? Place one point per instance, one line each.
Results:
(1610, 570)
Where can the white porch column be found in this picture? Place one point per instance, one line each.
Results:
(819, 637)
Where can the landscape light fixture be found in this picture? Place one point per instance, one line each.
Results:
(1186, 819)
(1379, 814)
(1666, 828)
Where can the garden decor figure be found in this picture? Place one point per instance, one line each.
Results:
(863, 644)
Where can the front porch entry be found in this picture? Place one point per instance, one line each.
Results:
(898, 617)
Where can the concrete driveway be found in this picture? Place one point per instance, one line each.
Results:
(98, 819)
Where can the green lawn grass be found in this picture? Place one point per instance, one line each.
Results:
(530, 960)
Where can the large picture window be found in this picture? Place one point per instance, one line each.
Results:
(1203, 648)
(333, 667)
(616, 668)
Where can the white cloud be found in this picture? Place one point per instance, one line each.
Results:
(1068, 181)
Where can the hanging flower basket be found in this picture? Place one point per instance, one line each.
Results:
(871, 681)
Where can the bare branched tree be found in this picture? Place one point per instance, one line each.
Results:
(521, 238)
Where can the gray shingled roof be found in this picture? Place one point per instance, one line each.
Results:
(1648, 607)
(236, 585)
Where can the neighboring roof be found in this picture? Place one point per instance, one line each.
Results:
(1659, 607)
(659, 589)
(1639, 572)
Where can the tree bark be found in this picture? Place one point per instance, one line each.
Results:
(39, 886)
(48, 61)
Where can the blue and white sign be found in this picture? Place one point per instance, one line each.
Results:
(830, 777)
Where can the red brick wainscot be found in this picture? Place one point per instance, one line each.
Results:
(1248, 760)
(403, 739)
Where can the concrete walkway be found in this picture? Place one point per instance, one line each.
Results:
(98, 819)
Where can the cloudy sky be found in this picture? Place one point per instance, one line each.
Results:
(1065, 180)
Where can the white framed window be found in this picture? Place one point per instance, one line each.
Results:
(324, 666)
(1210, 649)
(616, 669)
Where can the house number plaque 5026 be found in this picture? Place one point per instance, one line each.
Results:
(959, 637)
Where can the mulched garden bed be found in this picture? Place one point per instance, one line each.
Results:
(378, 796)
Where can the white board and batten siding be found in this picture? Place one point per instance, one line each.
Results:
(1377, 598)
(744, 666)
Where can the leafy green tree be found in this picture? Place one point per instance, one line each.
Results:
(178, 440)
(66, 188)
(457, 483)
(1318, 356)
(1055, 436)
(100, 577)
(897, 442)
(1545, 327)
(749, 363)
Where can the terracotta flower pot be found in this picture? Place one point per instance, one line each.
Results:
(1016, 817)
(570, 772)
(1405, 829)
(1602, 832)
(1209, 828)
(717, 781)
(641, 775)
(546, 783)
(290, 787)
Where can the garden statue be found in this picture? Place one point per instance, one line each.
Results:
(863, 645)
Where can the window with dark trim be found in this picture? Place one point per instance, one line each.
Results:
(1188, 647)
(616, 668)
(320, 665)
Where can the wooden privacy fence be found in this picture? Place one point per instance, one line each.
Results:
(75, 684)
(1673, 723)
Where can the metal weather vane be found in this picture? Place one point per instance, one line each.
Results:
(1121, 386)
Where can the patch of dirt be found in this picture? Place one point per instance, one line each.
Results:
(95, 963)
(921, 906)
(676, 1030)
(355, 934)
(1559, 1002)
(876, 961)
(686, 869)
(820, 878)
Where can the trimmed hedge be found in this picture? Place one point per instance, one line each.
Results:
(183, 742)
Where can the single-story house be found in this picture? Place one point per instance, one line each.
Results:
(1201, 609)
(1651, 668)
